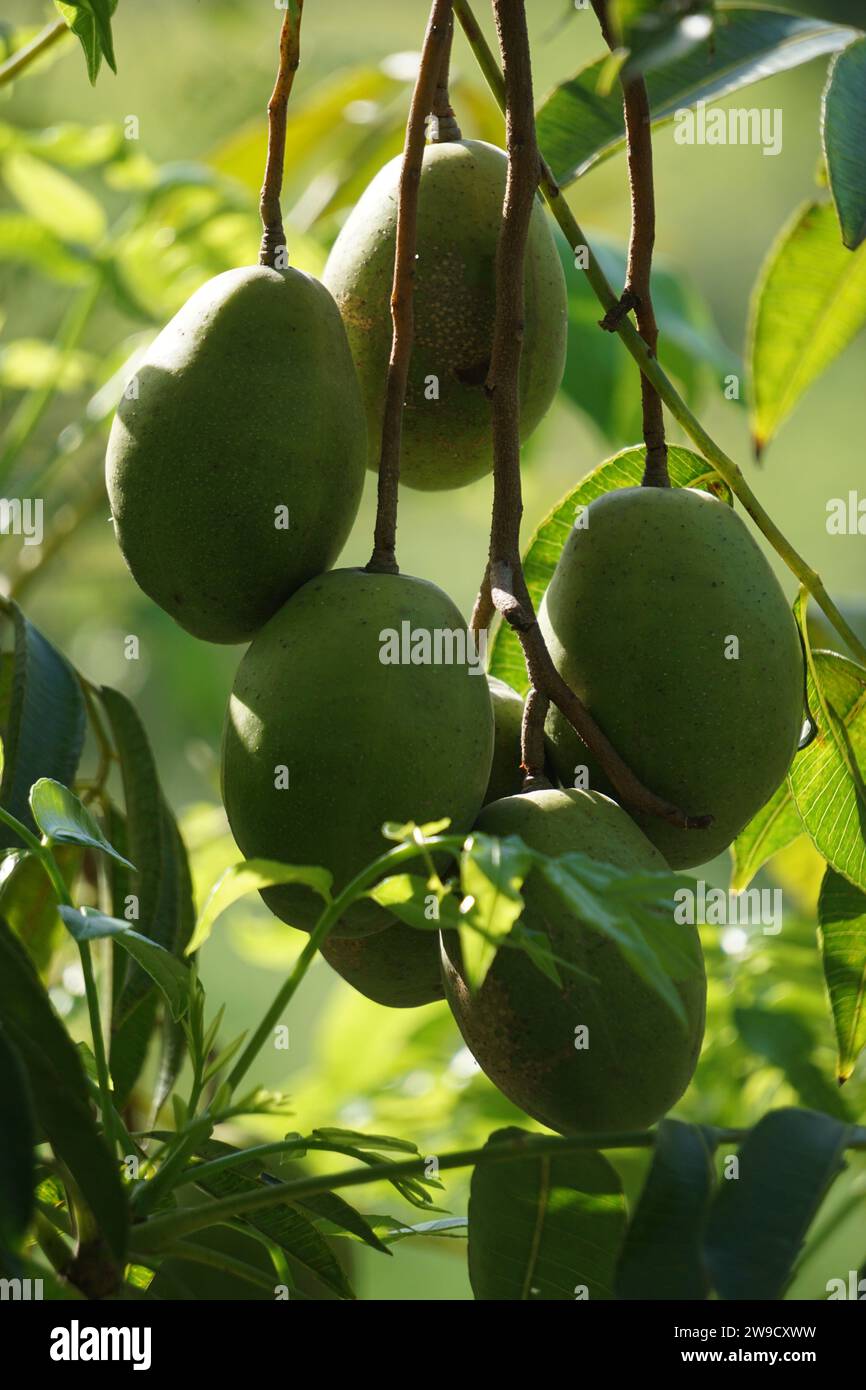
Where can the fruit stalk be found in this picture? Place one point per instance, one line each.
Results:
(443, 122)
(383, 559)
(23, 57)
(508, 592)
(637, 293)
(273, 237)
(650, 366)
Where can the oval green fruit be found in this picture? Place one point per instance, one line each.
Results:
(353, 707)
(397, 967)
(520, 1026)
(446, 421)
(506, 777)
(664, 616)
(236, 465)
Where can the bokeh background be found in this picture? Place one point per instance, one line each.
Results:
(102, 237)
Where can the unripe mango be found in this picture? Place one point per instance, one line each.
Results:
(664, 616)
(235, 463)
(325, 740)
(447, 440)
(397, 967)
(506, 778)
(521, 1026)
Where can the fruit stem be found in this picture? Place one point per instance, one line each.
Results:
(532, 741)
(651, 367)
(384, 557)
(637, 293)
(509, 595)
(443, 127)
(273, 248)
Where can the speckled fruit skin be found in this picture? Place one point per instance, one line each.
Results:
(247, 401)
(397, 967)
(447, 442)
(364, 742)
(520, 1026)
(636, 618)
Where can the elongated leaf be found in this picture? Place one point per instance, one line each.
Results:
(62, 817)
(29, 905)
(284, 1224)
(251, 877)
(663, 1252)
(336, 1212)
(826, 777)
(544, 1227)
(26, 241)
(578, 126)
(90, 21)
(843, 131)
(760, 1220)
(44, 731)
(776, 825)
(808, 304)
(411, 898)
(842, 918)
(59, 1089)
(491, 876)
(624, 469)
(168, 973)
(786, 1041)
(17, 1139)
(54, 199)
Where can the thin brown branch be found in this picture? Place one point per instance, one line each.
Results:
(484, 611)
(638, 290)
(532, 741)
(508, 590)
(273, 248)
(443, 127)
(402, 316)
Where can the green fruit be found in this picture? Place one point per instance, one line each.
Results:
(639, 619)
(398, 967)
(506, 777)
(446, 436)
(362, 741)
(236, 470)
(520, 1026)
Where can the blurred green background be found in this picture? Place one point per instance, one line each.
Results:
(102, 237)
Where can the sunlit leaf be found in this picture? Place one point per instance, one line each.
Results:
(251, 876)
(776, 825)
(54, 199)
(492, 871)
(842, 918)
(167, 973)
(62, 817)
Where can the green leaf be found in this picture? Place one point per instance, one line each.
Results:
(776, 825)
(168, 973)
(61, 1097)
(843, 133)
(662, 1257)
(785, 1040)
(25, 241)
(250, 877)
(54, 199)
(63, 818)
(809, 302)
(407, 897)
(492, 871)
(44, 731)
(842, 918)
(656, 32)
(625, 469)
(578, 126)
(544, 1227)
(29, 905)
(90, 21)
(17, 1140)
(339, 1215)
(759, 1221)
(283, 1224)
(637, 912)
(826, 777)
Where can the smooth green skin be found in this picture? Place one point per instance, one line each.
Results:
(447, 442)
(520, 1026)
(506, 778)
(636, 619)
(247, 401)
(364, 742)
(398, 967)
